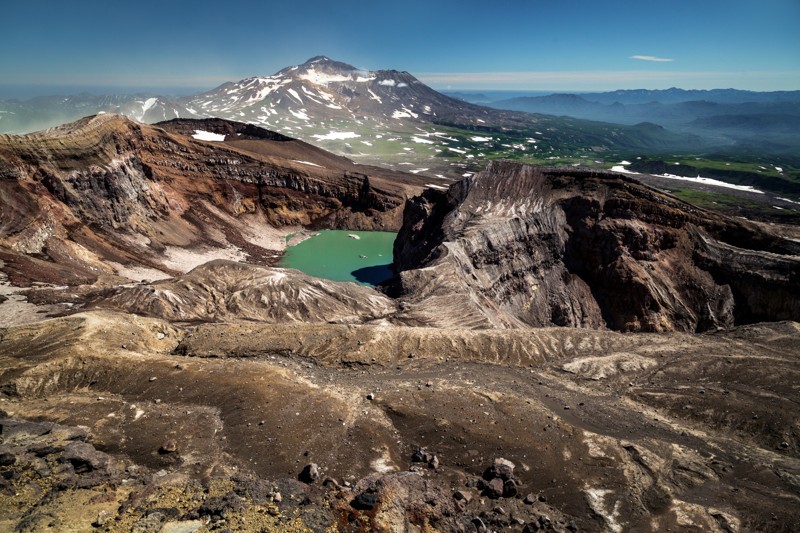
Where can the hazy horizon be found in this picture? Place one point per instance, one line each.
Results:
(576, 46)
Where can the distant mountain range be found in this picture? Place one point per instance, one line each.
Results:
(391, 118)
(383, 116)
(722, 116)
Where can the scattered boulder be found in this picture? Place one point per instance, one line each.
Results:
(310, 473)
(501, 468)
(509, 488)
(494, 489)
(84, 458)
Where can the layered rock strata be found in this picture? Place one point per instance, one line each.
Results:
(519, 245)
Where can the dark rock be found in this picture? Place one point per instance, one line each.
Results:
(44, 451)
(421, 455)
(531, 527)
(530, 499)
(7, 459)
(480, 527)
(222, 506)
(84, 458)
(11, 474)
(494, 488)
(366, 501)
(509, 488)
(10, 428)
(310, 473)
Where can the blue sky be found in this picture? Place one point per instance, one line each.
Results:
(527, 45)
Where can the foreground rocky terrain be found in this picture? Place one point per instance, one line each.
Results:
(213, 426)
(175, 380)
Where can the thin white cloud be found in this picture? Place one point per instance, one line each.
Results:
(652, 58)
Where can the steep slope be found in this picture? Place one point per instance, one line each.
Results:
(109, 195)
(518, 245)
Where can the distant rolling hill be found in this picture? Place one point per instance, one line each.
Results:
(724, 117)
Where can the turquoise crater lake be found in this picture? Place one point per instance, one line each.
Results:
(363, 257)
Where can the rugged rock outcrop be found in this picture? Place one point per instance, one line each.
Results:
(107, 188)
(523, 245)
(226, 290)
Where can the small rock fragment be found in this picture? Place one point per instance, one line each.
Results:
(366, 501)
(463, 495)
(169, 446)
(102, 518)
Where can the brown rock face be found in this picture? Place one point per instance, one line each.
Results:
(522, 245)
(106, 188)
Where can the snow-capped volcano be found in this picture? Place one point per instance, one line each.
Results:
(322, 89)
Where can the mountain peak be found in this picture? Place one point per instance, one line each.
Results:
(326, 63)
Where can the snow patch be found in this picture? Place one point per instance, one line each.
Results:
(148, 104)
(433, 186)
(620, 168)
(321, 78)
(420, 140)
(374, 96)
(202, 135)
(300, 114)
(294, 93)
(481, 139)
(716, 183)
(307, 163)
(335, 135)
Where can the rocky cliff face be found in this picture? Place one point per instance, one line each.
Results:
(521, 245)
(110, 189)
